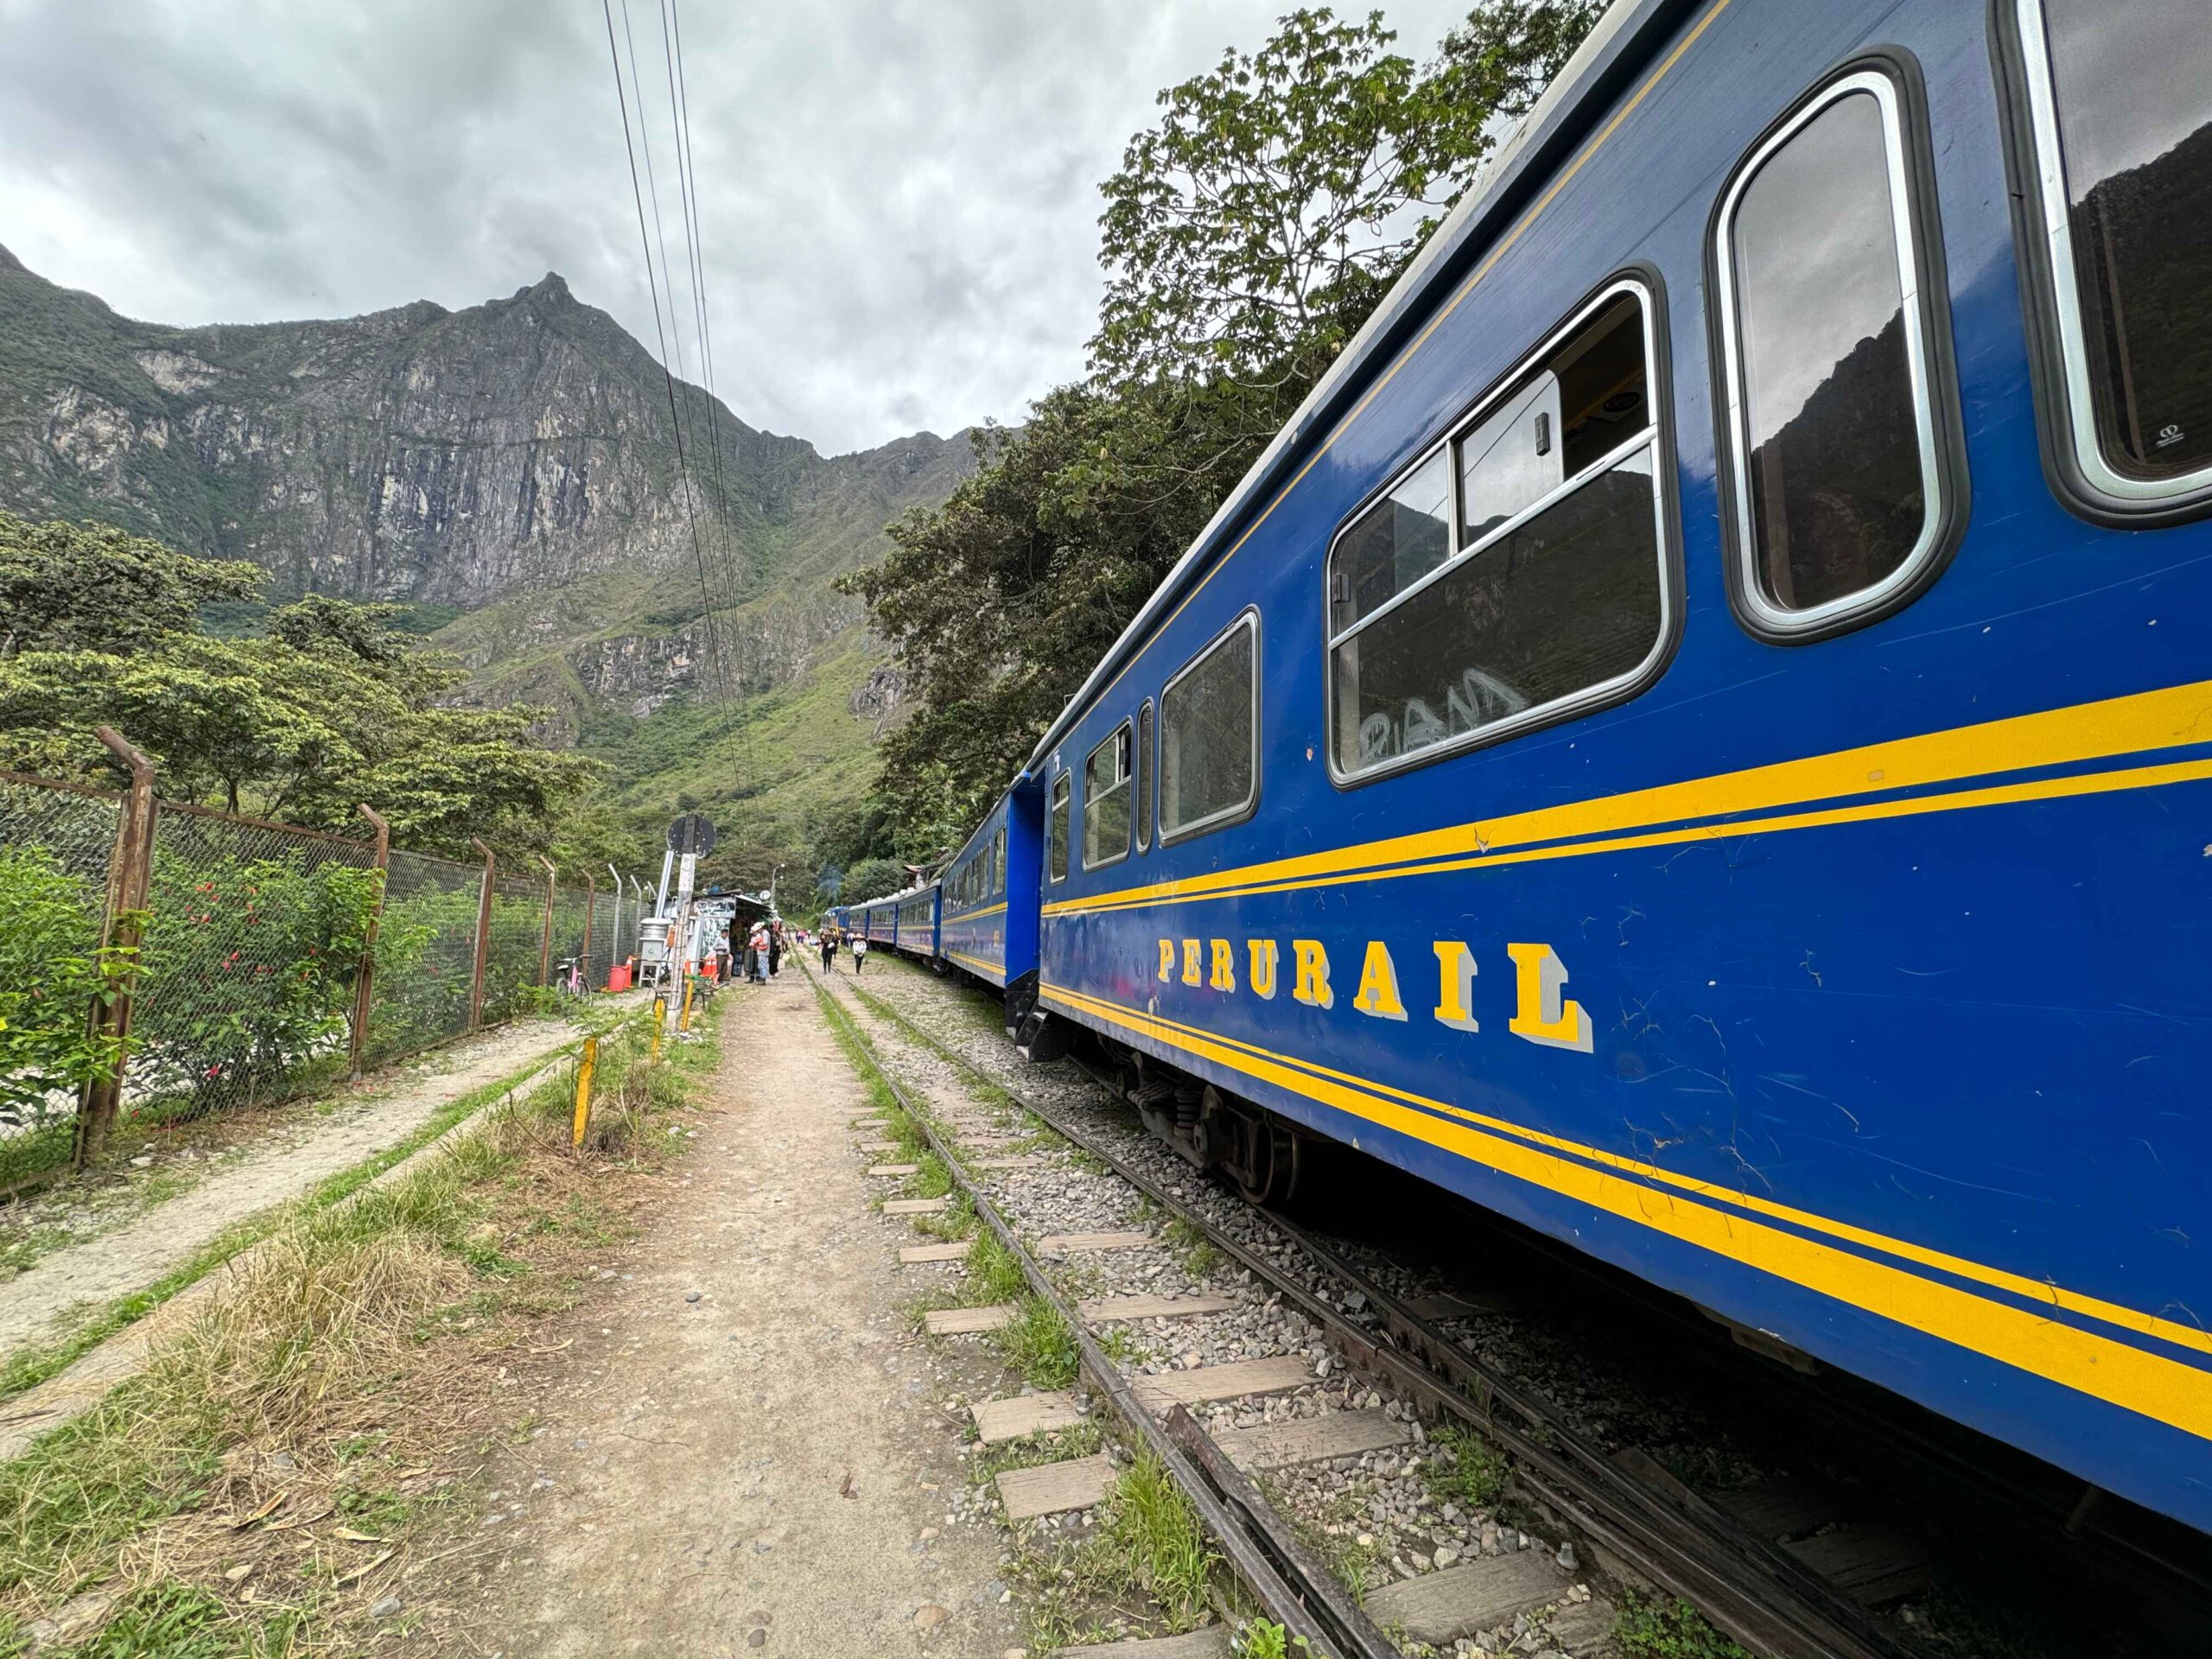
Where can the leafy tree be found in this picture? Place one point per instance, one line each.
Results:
(334, 705)
(1247, 236)
(68, 587)
(871, 878)
(1254, 228)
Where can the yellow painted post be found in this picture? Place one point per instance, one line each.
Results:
(683, 1019)
(585, 1067)
(660, 1019)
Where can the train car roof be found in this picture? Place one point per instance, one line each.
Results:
(1606, 60)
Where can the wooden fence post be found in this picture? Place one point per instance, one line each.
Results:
(545, 943)
(130, 877)
(483, 938)
(364, 981)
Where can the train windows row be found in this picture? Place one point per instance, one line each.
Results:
(1516, 573)
(982, 879)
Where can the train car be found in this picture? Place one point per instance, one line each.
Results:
(916, 912)
(1691, 738)
(981, 933)
(875, 921)
(840, 917)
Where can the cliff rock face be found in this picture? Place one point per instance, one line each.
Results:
(516, 460)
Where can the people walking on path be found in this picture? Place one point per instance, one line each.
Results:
(860, 953)
(829, 950)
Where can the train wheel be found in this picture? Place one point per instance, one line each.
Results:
(1268, 1174)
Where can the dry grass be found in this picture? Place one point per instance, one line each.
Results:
(305, 1445)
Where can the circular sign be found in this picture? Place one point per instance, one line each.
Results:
(692, 833)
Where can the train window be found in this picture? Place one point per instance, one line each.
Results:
(998, 864)
(1552, 596)
(1836, 477)
(1056, 833)
(1144, 776)
(1106, 801)
(2120, 104)
(1208, 734)
(1395, 542)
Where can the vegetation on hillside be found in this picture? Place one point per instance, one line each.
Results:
(1247, 236)
(333, 705)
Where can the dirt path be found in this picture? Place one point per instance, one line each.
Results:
(754, 1451)
(136, 1255)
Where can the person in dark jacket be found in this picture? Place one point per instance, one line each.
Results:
(829, 950)
(775, 949)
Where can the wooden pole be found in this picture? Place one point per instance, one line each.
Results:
(483, 938)
(130, 877)
(365, 981)
(545, 942)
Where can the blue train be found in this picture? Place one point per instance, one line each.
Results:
(1690, 738)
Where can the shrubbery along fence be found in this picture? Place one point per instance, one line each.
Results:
(162, 958)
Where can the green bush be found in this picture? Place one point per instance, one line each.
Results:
(247, 972)
(51, 970)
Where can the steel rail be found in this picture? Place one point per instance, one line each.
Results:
(1758, 1595)
(1290, 1586)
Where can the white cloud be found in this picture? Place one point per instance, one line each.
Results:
(898, 198)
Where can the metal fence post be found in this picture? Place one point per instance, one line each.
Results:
(591, 903)
(130, 877)
(366, 979)
(545, 943)
(614, 950)
(483, 938)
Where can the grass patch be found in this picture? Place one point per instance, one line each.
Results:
(1149, 1566)
(1052, 1446)
(1192, 1248)
(931, 1180)
(1038, 1344)
(29, 1366)
(993, 1273)
(326, 1342)
(1470, 1471)
(1659, 1627)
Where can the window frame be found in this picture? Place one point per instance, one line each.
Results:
(1222, 817)
(2073, 450)
(1893, 79)
(1063, 784)
(1644, 281)
(1146, 818)
(1129, 782)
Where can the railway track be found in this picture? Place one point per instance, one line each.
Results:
(2027, 1556)
(1625, 1506)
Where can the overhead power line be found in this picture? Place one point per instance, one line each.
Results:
(689, 180)
(668, 379)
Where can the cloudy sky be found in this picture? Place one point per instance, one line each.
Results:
(898, 198)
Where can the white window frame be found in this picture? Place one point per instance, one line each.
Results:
(1574, 702)
(1129, 782)
(1063, 781)
(2082, 436)
(1247, 619)
(1144, 735)
(1919, 361)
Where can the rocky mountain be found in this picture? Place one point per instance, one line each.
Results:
(467, 459)
(510, 469)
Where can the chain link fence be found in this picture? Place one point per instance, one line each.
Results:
(56, 843)
(240, 980)
(425, 955)
(513, 964)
